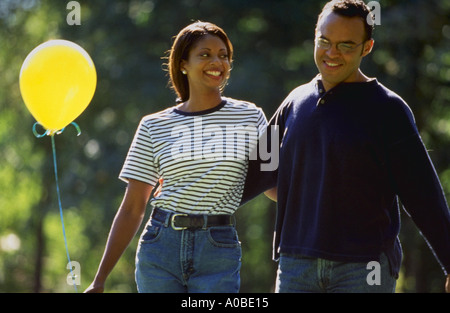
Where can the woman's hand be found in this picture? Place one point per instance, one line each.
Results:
(93, 288)
(447, 284)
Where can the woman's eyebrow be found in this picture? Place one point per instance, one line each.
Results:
(210, 49)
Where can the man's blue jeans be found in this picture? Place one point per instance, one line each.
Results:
(306, 274)
(179, 261)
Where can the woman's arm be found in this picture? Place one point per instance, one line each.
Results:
(124, 227)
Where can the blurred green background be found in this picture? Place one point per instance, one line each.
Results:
(127, 39)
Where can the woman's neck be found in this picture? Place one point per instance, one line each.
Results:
(201, 102)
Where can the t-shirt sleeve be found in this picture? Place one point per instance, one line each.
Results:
(139, 163)
(262, 121)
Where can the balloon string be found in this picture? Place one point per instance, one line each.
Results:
(52, 135)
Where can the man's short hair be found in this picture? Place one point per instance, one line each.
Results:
(350, 8)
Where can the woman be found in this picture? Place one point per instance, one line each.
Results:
(190, 242)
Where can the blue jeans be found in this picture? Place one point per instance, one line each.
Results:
(180, 261)
(307, 274)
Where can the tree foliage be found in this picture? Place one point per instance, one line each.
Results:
(128, 39)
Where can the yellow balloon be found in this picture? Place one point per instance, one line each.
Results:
(57, 83)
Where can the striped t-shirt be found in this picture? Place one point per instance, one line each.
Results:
(201, 156)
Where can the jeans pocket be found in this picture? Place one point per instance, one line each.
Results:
(225, 237)
(151, 233)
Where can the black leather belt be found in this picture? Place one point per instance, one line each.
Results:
(180, 221)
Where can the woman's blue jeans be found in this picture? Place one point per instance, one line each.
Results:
(180, 261)
(306, 274)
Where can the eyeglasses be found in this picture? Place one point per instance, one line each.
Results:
(342, 47)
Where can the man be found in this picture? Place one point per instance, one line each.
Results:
(349, 149)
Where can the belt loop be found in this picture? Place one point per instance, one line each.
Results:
(205, 222)
(167, 221)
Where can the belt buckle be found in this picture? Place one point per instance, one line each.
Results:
(172, 221)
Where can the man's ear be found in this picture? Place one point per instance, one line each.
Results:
(368, 45)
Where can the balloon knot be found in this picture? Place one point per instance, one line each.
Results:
(52, 132)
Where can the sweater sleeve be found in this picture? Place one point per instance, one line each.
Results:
(417, 184)
(261, 175)
(259, 180)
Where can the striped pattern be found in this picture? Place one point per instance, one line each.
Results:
(202, 156)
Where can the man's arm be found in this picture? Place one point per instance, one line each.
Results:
(418, 186)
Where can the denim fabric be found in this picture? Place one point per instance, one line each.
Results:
(180, 261)
(307, 274)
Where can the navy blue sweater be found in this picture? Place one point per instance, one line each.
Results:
(346, 158)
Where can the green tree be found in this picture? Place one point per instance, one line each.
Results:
(127, 39)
